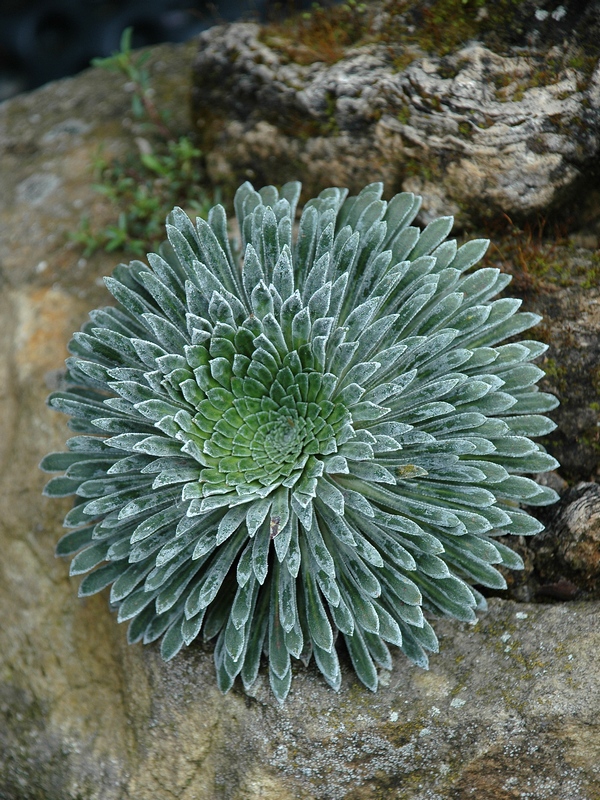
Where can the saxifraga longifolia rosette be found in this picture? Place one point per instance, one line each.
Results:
(323, 438)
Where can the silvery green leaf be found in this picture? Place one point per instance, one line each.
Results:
(235, 644)
(361, 659)
(533, 403)
(283, 275)
(244, 569)
(470, 253)
(168, 302)
(291, 192)
(433, 235)
(171, 593)
(280, 686)
(388, 627)
(477, 569)
(215, 249)
(95, 375)
(366, 212)
(167, 334)
(444, 253)
(135, 603)
(342, 617)
(58, 462)
(325, 241)
(543, 497)
(141, 551)
(184, 246)
(329, 493)
(179, 220)
(190, 628)
(62, 487)
(320, 551)
(444, 604)
(386, 541)
(255, 515)
(512, 326)
(260, 552)
(73, 541)
(114, 319)
(305, 243)
(204, 592)
(318, 623)
(129, 299)
(329, 665)
(372, 471)
(160, 624)
(85, 408)
(419, 640)
(162, 573)
(300, 328)
(217, 616)
(316, 278)
(354, 566)
(521, 524)
(378, 650)
(169, 275)
(287, 603)
(337, 525)
(172, 641)
(245, 200)
(279, 658)
(230, 522)
(400, 212)
(99, 579)
(108, 484)
(258, 630)
(89, 558)
(243, 603)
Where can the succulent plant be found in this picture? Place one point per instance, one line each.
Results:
(325, 436)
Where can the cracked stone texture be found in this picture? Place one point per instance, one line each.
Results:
(441, 127)
(509, 708)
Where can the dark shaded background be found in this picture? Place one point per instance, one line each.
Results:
(41, 40)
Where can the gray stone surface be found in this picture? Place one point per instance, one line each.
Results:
(509, 708)
(473, 132)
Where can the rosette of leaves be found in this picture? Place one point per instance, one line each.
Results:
(319, 440)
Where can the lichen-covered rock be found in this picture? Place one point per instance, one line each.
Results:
(474, 132)
(516, 149)
(509, 708)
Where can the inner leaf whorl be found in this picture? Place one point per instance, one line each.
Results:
(253, 420)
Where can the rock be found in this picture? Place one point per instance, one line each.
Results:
(585, 239)
(577, 529)
(509, 708)
(48, 148)
(477, 133)
(563, 562)
(571, 327)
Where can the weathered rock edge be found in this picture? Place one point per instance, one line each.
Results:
(510, 705)
(441, 127)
